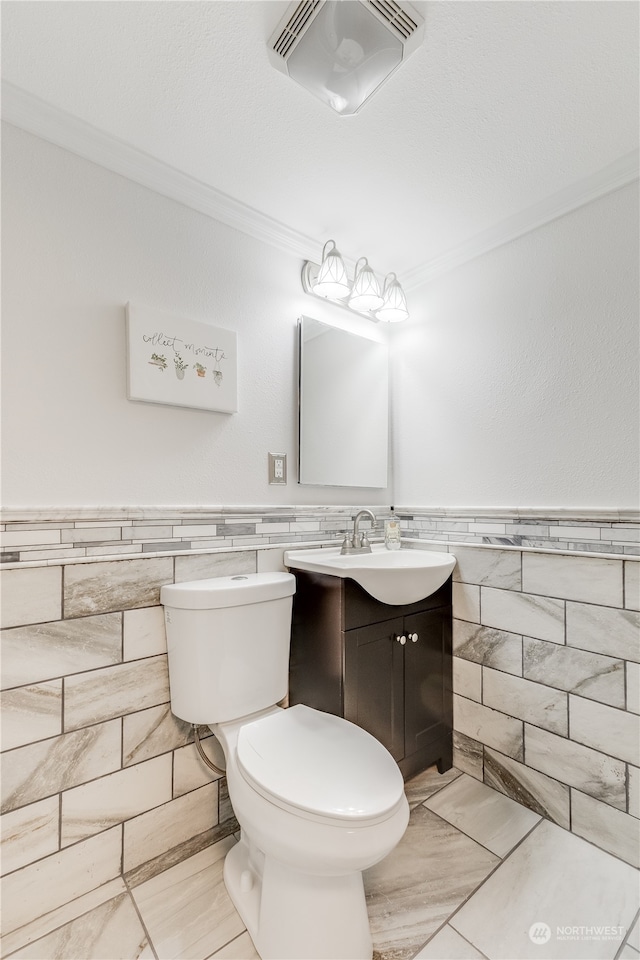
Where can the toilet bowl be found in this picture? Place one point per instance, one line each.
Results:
(318, 802)
(317, 798)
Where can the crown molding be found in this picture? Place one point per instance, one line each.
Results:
(618, 174)
(36, 116)
(30, 113)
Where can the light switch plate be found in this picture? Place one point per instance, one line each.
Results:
(277, 468)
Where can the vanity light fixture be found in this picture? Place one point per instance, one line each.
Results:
(330, 281)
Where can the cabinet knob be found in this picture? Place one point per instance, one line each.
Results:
(401, 640)
(413, 637)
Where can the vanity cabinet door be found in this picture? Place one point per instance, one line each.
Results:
(427, 682)
(374, 683)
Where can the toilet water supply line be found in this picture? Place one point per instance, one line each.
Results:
(204, 757)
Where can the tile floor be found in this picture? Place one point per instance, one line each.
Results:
(476, 875)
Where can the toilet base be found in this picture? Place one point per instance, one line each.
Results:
(291, 915)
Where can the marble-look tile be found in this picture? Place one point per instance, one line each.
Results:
(594, 773)
(241, 948)
(609, 829)
(576, 671)
(543, 882)
(31, 713)
(114, 691)
(466, 601)
(101, 535)
(467, 679)
(189, 771)
(111, 930)
(43, 925)
(490, 647)
(493, 568)
(187, 909)
(427, 783)
(144, 633)
(628, 953)
(541, 617)
(614, 633)
(182, 851)
(448, 945)
(48, 650)
(42, 769)
(25, 538)
(270, 561)
(156, 832)
(194, 531)
(534, 702)
(205, 565)
(634, 791)
(633, 937)
(154, 531)
(467, 755)
(32, 595)
(29, 833)
(490, 818)
(413, 891)
(632, 584)
(151, 732)
(488, 726)
(96, 806)
(55, 881)
(101, 587)
(531, 788)
(614, 732)
(591, 579)
(633, 687)
(225, 807)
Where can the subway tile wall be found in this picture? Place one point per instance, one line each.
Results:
(547, 685)
(100, 780)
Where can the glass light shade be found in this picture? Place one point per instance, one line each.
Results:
(344, 55)
(332, 280)
(365, 293)
(394, 307)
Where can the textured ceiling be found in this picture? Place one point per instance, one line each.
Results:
(503, 105)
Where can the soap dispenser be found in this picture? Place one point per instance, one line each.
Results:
(392, 534)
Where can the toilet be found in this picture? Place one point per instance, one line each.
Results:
(317, 798)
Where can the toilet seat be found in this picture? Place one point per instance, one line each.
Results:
(320, 765)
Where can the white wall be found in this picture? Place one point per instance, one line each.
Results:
(516, 382)
(78, 243)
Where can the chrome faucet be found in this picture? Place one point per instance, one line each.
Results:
(358, 542)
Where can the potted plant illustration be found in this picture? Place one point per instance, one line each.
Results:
(180, 366)
(217, 376)
(158, 361)
(200, 370)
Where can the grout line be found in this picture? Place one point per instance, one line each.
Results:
(140, 917)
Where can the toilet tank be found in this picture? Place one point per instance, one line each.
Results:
(228, 644)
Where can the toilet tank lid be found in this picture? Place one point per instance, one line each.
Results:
(231, 591)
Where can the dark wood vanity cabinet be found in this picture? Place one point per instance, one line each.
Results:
(347, 659)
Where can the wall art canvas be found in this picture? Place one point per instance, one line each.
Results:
(186, 363)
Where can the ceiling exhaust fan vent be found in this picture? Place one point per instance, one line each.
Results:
(397, 18)
(342, 51)
(295, 26)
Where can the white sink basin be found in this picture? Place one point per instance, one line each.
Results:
(391, 576)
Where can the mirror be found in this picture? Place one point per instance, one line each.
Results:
(344, 407)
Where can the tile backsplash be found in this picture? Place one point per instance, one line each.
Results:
(99, 779)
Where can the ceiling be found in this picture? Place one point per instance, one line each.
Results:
(505, 105)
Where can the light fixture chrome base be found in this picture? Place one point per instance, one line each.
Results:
(310, 273)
